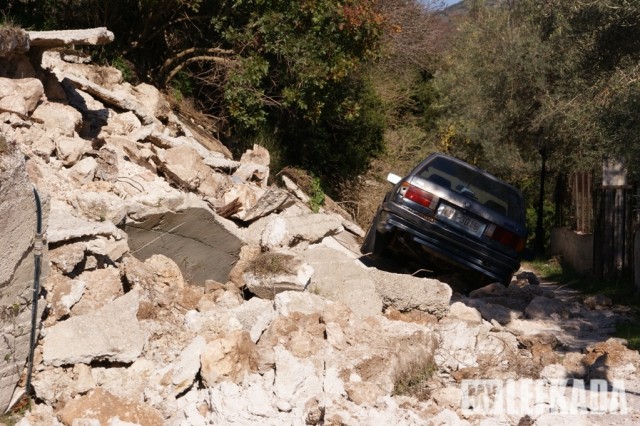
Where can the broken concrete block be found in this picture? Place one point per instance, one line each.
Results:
(110, 334)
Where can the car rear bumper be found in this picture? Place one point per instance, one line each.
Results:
(448, 243)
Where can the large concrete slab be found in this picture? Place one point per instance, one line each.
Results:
(194, 238)
(343, 279)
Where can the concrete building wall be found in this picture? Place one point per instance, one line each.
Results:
(17, 234)
(574, 248)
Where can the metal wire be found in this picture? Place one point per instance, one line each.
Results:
(37, 252)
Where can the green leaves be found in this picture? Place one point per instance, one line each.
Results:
(307, 47)
(562, 70)
(300, 75)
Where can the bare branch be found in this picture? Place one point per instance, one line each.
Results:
(226, 62)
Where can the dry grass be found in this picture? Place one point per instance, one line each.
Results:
(405, 148)
(4, 147)
(11, 36)
(413, 381)
(266, 264)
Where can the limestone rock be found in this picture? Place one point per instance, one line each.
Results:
(405, 293)
(41, 142)
(154, 101)
(229, 357)
(449, 397)
(111, 333)
(255, 315)
(184, 166)
(288, 302)
(255, 173)
(257, 155)
(274, 272)
(67, 257)
(241, 197)
(158, 277)
(299, 333)
(554, 372)
(70, 150)
(105, 408)
(283, 232)
(55, 62)
(132, 151)
(492, 311)
(598, 301)
(494, 289)
(53, 385)
(92, 36)
(364, 393)
(120, 99)
(611, 360)
(133, 381)
(273, 200)
(121, 124)
(187, 365)
(100, 206)
(65, 293)
(100, 287)
(20, 96)
(84, 170)
(463, 312)
(64, 225)
(61, 119)
(342, 279)
(458, 343)
(296, 378)
(573, 363)
(108, 247)
(246, 256)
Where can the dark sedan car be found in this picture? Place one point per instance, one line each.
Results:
(449, 212)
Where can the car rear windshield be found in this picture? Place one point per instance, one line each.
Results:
(477, 185)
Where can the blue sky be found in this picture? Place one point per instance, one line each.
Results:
(446, 2)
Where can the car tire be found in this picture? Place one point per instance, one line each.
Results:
(375, 242)
(506, 280)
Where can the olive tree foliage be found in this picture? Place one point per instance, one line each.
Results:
(553, 75)
(495, 85)
(284, 69)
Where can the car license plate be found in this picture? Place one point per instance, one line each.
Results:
(461, 219)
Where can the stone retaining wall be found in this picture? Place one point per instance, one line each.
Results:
(576, 249)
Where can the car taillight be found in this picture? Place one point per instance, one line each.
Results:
(505, 237)
(418, 195)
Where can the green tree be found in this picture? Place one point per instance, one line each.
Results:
(287, 69)
(301, 76)
(551, 73)
(549, 76)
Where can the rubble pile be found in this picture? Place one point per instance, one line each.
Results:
(185, 288)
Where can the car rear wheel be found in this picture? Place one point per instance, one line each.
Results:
(375, 242)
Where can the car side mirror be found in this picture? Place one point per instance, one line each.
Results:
(393, 178)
